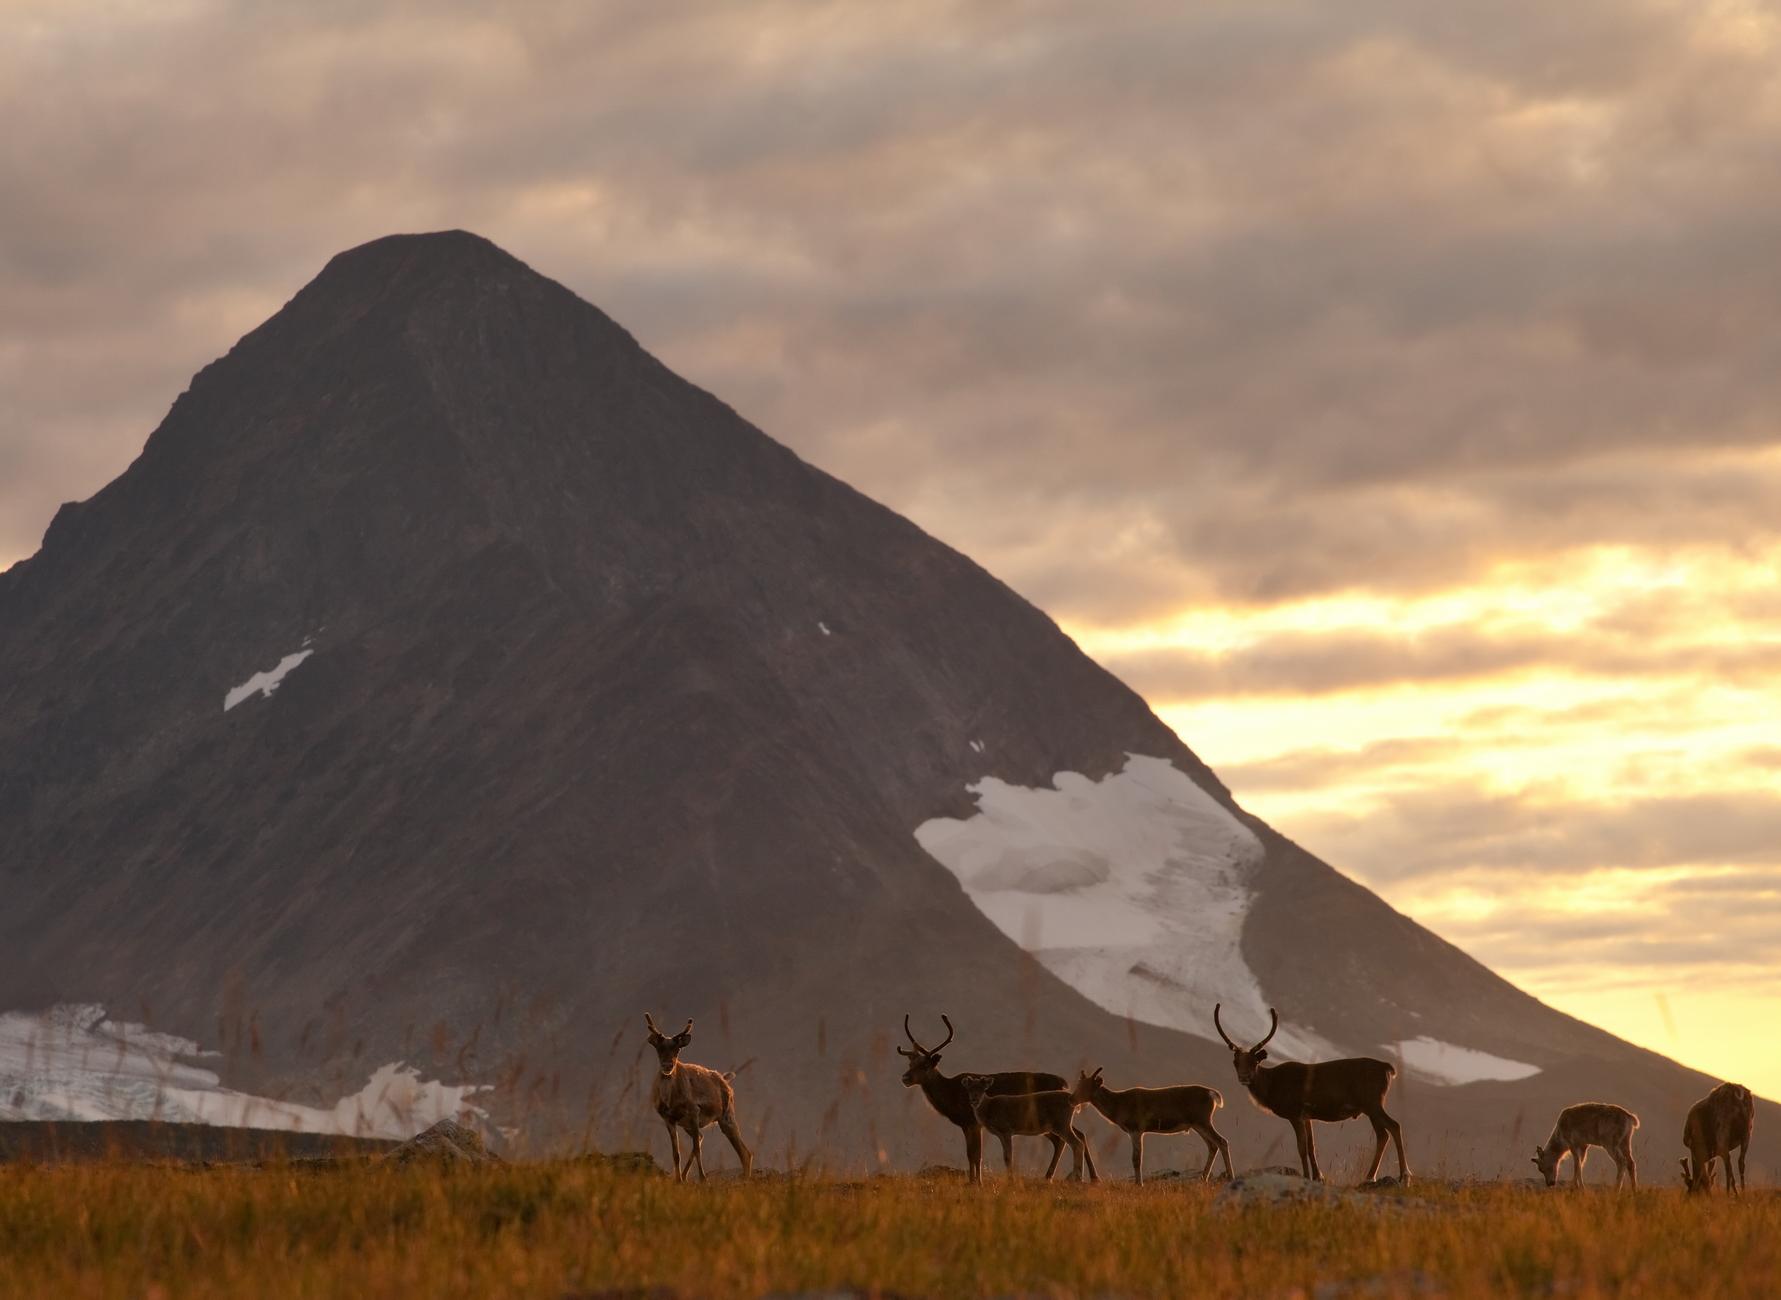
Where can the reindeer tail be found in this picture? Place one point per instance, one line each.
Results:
(729, 1076)
(1635, 1121)
(1217, 1098)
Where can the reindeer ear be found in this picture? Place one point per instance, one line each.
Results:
(1261, 1053)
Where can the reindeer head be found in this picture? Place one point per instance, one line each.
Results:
(923, 1061)
(976, 1089)
(1547, 1163)
(1088, 1082)
(1703, 1184)
(1247, 1060)
(667, 1049)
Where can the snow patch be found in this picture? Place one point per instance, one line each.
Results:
(977, 746)
(1438, 1062)
(267, 682)
(73, 1063)
(824, 628)
(1132, 889)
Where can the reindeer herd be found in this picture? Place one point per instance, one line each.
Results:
(1027, 1103)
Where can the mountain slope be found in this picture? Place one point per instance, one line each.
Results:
(587, 698)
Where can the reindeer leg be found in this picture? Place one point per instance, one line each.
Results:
(1138, 1157)
(1397, 1140)
(1578, 1156)
(974, 1152)
(726, 1122)
(1311, 1150)
(1057, 1154)
(698, 1152)
(1210, 1137)
(1632, 1167)
(1379, 1141)
(1007, 1141)
(1299, 1128)
(674, 1143)
(1743, 1179)
(1088, 1154)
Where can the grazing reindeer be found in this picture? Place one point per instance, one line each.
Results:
(1718, 1122)
(1159, 1110)
(946, 1094)
(1587, 1124)
(1050, 1114)
(1326, 1091)
(689, 1097)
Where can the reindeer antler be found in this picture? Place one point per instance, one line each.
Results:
(1220, 1028)
(949, 1031)
(1271, 1030)
(914, 1042)
(650, 1021)
(689, 1027)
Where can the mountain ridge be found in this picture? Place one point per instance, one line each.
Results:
(612, 704)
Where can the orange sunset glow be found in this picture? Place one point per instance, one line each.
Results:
(1388, 393)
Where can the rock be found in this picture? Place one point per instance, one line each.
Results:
(447, 1141)
(1274, 1189)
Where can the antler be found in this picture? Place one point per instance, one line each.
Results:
(913, 1041)
(650, 1021)
(1220, 1028)
(689, 1026)
(1271, 1028)
(949, 1032)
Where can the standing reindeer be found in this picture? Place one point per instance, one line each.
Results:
(1723, 1119)
(1587, 1124)
(1326, 1091)
(946, 1094)
(1050, 1114)
(689, 1097)
(1159, 1110)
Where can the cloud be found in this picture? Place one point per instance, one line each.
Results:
(1433, 829)
(1310, 299)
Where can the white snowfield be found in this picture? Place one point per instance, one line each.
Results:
(73, 1063)
(1436, 1062)
(1132, 890)
(264, 684)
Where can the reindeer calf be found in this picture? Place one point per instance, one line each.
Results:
(1138, 1111)
(690, 1097)
(1723, 1119)
(1050, 1115)
(1579, 1127)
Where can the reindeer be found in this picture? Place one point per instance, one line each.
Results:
(1723, 1119)
(1587, 1124)
(689, 1097)
(1326, 1091)
(1050, 1114)
(1188, 1107)
(946, 1094)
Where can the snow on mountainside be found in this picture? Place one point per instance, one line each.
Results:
(73, 1063)
(1133, 890)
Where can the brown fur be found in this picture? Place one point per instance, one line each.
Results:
(1717, 1124)
(1186, 1108)
(1326, 1092)
(1050, 1114)
(1590, 1123)
(691, 1097)
(946, 1094)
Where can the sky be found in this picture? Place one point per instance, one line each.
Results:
(1388, 391)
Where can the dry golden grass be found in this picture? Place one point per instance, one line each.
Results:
(565, 1228)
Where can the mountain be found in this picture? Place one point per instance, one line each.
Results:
(448, 683)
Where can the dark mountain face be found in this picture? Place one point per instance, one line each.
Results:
(608, 703)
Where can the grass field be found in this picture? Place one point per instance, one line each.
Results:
(560, 1229)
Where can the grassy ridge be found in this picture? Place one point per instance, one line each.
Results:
(556, 1229)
